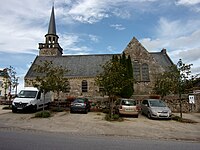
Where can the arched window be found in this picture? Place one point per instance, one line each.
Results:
(145, 72)
(84, 86)
(136, 71)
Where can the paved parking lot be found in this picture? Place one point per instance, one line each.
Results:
(93, 123)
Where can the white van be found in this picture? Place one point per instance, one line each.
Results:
(30, 99)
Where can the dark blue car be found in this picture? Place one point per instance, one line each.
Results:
(80, 105)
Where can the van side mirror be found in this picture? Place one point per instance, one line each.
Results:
(39, 95)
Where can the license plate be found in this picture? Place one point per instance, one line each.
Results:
(128, 109)
(163, 115)
(77, 104)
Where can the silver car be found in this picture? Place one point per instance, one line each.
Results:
(155, 108)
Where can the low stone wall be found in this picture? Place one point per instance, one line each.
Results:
(174, 103)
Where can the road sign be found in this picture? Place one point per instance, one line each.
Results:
(191, 99)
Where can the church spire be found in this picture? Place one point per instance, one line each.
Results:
(51, 46)
(52, 23)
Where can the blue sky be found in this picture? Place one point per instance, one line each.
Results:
(99, 27)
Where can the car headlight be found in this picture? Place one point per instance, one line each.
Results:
(154, 112)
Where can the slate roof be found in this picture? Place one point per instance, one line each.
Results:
(88, 65)
(163, 59)
(79, 65)
(52, 23)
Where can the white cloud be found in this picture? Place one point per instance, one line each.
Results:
(93, 38)
(117, 26)
(192, 4)
(88, 11)
(181, 38)
(70, 42)
(188, 2)
(111, 49)
(92, 11)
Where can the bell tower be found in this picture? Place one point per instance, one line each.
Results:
(51, 46)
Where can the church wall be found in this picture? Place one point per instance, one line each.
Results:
(139, 55)
(76, 87)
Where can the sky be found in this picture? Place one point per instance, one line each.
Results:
(99, 27)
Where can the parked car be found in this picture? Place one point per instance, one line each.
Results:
(127, 107)
(155, 108)
(80, 105)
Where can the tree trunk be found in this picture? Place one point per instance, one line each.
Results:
(181, 112)
(43, 102)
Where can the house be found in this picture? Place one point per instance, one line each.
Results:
(84, 68)
(4, 82)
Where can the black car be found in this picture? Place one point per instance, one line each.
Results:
(80, 105)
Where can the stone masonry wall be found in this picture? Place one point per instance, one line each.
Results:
(174, 103)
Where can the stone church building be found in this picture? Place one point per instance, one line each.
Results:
(84, 68)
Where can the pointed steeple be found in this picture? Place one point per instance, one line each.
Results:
(52, 23)
(51, 46)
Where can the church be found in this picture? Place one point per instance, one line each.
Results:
(84, 68)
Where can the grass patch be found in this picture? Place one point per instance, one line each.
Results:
(43, 114)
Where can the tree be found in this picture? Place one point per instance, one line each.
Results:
(174, 81)
(128, 90)
(10, 81)
(6, 82)
(50, 78)
(114, 79)
(184, 71)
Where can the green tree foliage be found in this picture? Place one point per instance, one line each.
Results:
(166, 83)
(116, 78)
(174, 81)
(128, 90)
(50, 78)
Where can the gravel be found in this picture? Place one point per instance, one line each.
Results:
(94, 123)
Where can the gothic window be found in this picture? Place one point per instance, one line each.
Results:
(84, 86)
(145, 72)
(136, 71)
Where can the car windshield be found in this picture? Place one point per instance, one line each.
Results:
(157, 103)
(128, 102)
(27, 94)
(79, 101)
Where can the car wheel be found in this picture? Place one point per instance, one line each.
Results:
(34, 109)
(14, 110)
(86, 111)
(71, 111)
(149, 115)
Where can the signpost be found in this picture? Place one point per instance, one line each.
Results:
(191, 102)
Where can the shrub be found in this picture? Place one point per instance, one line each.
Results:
(43, 114)
(107, 117)
(106, 110)
(7, 108)
(115, 117)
